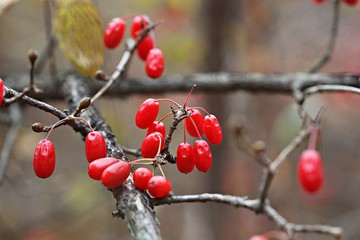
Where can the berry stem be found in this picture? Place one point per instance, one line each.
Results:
(53, 126)
(189, 94)
(168, 100)
(86, 122)
(162, 172)
(184, 132)
(142, 161)
(313, 138)
(165, 116)
(197, 130)
(200, 108)
(126, 17)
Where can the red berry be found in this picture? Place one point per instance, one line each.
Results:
(145, 46)
(202, 155)
(212, 129)
(159, 187)
(114, 33)
(156, 127)
(310, 171)
(138, 25)
(150, 144)
(184, 158)
(97, 167)
(141, 178)
(1, 91)
(198, 120)
(95, 146)
(154, 65)
(116, 174)
(351, 2)
(319, 1)
(44, 159)
(258, 237)
(147, 113)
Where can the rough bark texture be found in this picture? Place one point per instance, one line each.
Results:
(131, 204)
(209, 82)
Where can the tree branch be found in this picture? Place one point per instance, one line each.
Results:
(322, 60)
(252, 204)
(131, 204)
(215, 82)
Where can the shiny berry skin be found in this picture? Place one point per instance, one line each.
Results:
(138, 25)
(154, 64)
(44, 159)
(319, 1)
(351, 2)
(184, 158)
(1, 91)
(95, 146)
(202, 155)
(116, 174)
(198, 119)
(147, 113)
(310, 171)
(159, 187)
(145, 46)
(150, 144)
(114, 33)
(141, 178)
(97, 167)
(156, 127)
(258, 237)
(212, 129)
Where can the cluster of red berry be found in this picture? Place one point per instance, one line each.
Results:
(146, 50)
(349, 2)
(111, 171)
(1, 91)
(310, 168)
(196, 124)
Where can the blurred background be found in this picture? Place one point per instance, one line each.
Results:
(196, 36)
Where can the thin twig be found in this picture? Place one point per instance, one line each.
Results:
(124, 61)
(252, 204)
(271, 169)
(325, 57)
(330, 88)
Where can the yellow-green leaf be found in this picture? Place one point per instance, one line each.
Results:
(79, 34)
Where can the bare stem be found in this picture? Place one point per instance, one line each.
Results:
(325, 57)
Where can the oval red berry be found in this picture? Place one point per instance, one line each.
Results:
(97, 167)
(150, 144)
(154, 65)
(114, 33)
(139, 23)
(310, 171)
(202, 155)
(212, 129)
(195, 127)
(1, 91)
(157, 127)
(159, 187)
(95, 146)
(144, 47)
(147, 113)
(184, 158)
(116, 174)
(141, 178)
(44, 159)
